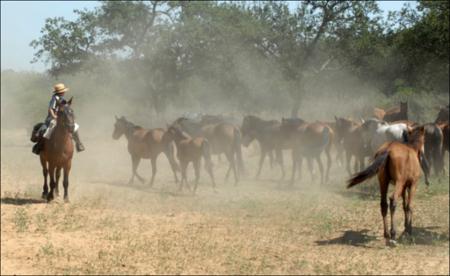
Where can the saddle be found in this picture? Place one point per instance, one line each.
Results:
(38, 132)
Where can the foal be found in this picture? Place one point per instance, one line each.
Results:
(397, 162)
(191, 150)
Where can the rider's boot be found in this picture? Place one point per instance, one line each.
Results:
(78, 143)
(38, 147)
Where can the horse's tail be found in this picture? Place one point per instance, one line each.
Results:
(237, 143)
(206, 152)
(378, 162)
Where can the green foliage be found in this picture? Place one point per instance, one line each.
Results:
(165, 47)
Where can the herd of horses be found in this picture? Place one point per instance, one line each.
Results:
(401, 149)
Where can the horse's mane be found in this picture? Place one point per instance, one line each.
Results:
(130, 124)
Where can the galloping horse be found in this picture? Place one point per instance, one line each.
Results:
(191, 150)
(223, 137)
(145, 144)
(308, 140)
(57, 152)
(350, 133)
(269, 136)
(399, 163)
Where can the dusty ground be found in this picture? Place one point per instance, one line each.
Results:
(258, 227)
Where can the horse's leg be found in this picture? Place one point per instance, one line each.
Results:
(348, 158)
(361, 162)
(319, 163)
(183, 165)
(271, 158)
(328, 154)
(393, 204)
(228, 173)
(58, 174)
(173, 164)
(45, 173)
(211, 174)
(133, 169)
(384, 185)
(136, 172)
(67, 168)
(279, 156)
(300, 163)
(311, 167)
(153, 160)
(356, 163)
(261, 161)
(404, 207)
(232, 165)
(51, 170)
(294, 166)
(196, 164)
(412, 192)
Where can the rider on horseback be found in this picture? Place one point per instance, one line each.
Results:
(50, 121)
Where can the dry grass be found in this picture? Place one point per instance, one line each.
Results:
(258, 227)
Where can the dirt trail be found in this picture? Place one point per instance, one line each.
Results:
(258, 227)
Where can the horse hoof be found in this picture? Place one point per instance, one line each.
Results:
(44, 196)
(391, 243)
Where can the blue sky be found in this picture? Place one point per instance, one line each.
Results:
(22, 21)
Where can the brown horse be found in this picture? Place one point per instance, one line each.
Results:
(352, 142)
(433, 147)
(57, 152)
(397, 162)
(308, 140)
(191, 150)
(268, 134)
(224, 138)
(145, 144)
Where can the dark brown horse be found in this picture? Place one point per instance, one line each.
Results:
(269, 136)
(308, 140)
(396, 113)
(443, 114)
(57, 152)
(224, 138)
(433, 147)
(352, 142)
(145, 144)
(191, 150)
(397, 162)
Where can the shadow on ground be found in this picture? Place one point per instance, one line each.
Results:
(423, 236)
(21, 201)
(354, 238)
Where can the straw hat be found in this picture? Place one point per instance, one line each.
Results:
(60, 88)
